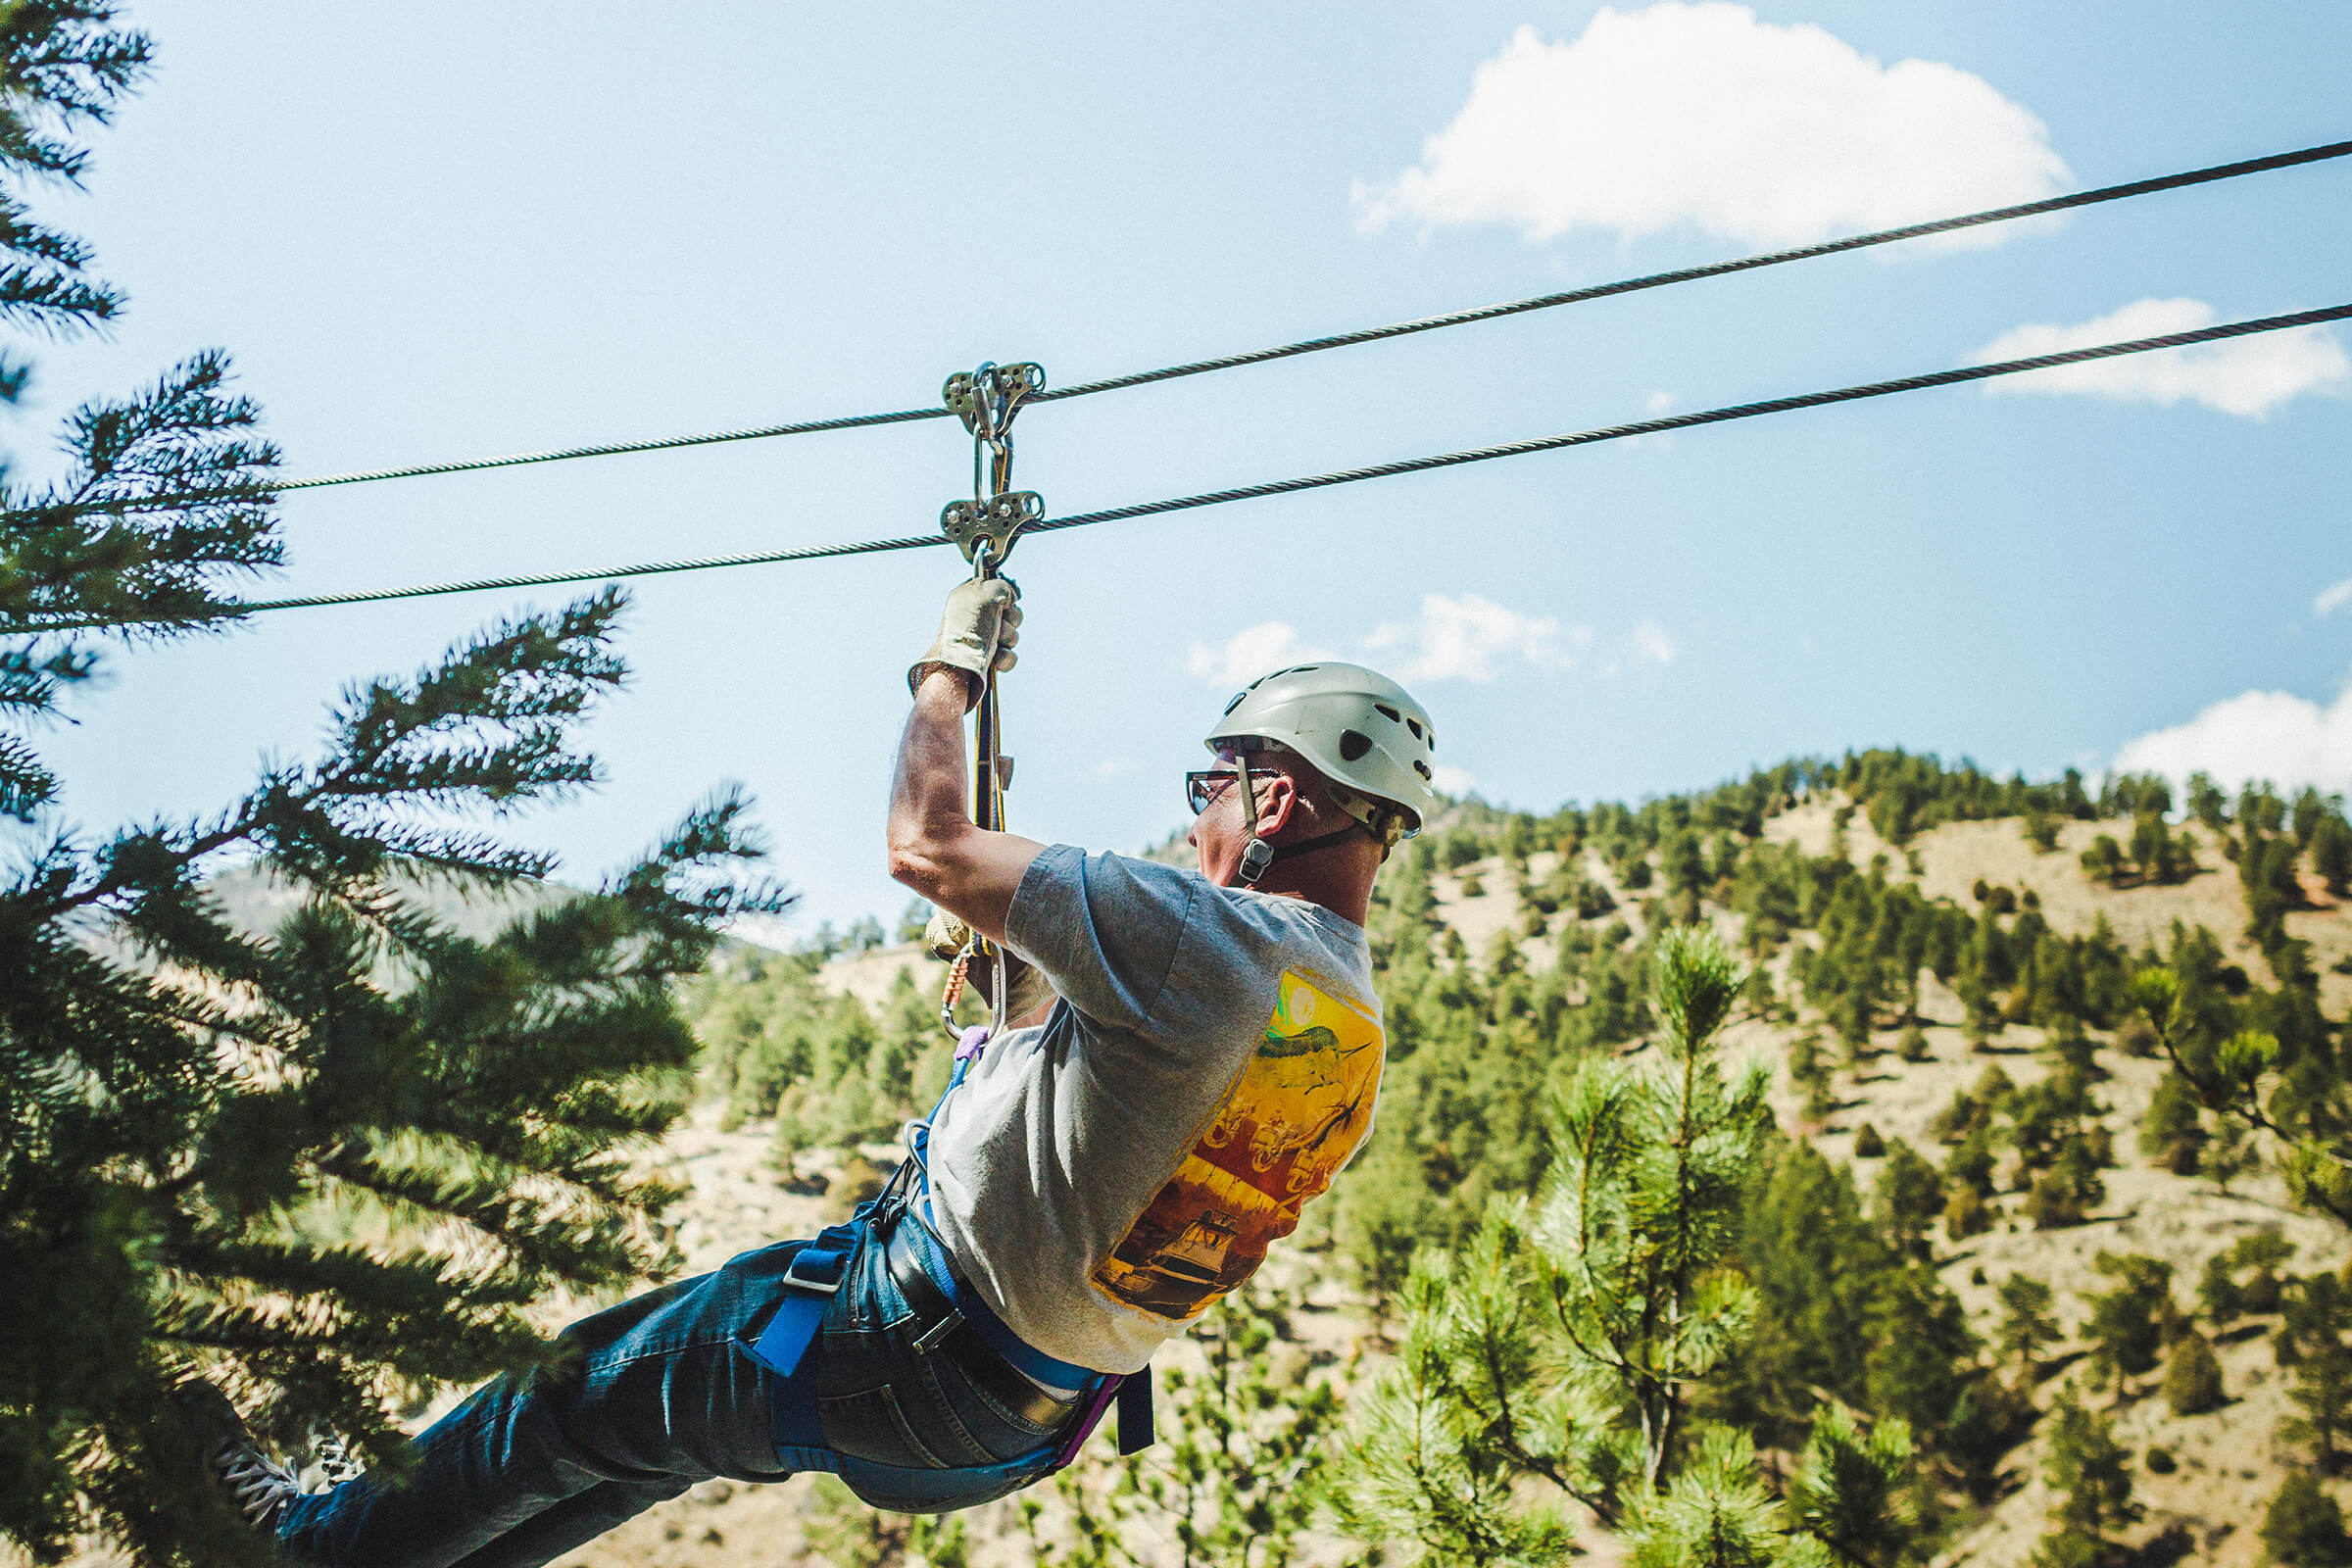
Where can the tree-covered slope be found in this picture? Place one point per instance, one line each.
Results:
(1989, 1205)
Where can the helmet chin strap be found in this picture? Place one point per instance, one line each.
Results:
(1258, 855)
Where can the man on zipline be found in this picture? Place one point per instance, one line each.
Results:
(1086, 1189)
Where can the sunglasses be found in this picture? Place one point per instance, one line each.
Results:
(1201, 788)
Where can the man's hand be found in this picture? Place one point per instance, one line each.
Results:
(976, 633)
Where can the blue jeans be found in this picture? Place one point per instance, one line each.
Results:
(661, 1391)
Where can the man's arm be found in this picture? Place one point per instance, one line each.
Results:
(934, 848)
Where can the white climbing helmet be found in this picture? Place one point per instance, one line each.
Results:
(1360, 729)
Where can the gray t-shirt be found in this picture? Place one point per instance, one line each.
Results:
(1106, 1176)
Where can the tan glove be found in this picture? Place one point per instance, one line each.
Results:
(944, 937)
(981, 624)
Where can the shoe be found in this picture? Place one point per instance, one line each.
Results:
(258, 1488)
(335, 1462)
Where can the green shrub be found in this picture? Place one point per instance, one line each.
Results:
(2192, 1378)
(2304, 1527)
(1966, 1214)
(2051, 1204)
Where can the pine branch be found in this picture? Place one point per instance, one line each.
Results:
(74, 561)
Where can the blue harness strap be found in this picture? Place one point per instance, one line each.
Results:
(815, 1273)
(813, 1276)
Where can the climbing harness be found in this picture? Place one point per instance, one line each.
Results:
(936, 1290)
(986, 529)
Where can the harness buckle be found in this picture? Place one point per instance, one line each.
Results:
(795, 1280)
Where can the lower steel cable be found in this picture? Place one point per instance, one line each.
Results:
(1317, 481)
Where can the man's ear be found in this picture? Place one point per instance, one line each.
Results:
(1275, 810)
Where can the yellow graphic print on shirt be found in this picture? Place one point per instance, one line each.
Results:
(1293, 1117)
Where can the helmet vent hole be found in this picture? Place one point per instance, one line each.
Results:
(1236, 699)
(1353, 745)
(1422, 768)
(1414, 725)
(1390, 713)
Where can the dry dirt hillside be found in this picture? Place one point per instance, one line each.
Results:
(2228, 1462)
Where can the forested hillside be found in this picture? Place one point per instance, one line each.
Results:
(2042, 1256)
(2066, 1243)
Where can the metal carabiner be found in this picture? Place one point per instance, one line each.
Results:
(986, 399)
(985, 531)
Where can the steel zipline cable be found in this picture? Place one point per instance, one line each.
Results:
(1382, 470)
(1692, 274)
(1375, 334)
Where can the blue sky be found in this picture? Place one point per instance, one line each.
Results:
(438, 230)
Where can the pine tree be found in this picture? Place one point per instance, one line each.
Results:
(2264, 1253)
(1922, 1356)
(2028, 1325)
(1424, 1471)
(2103, 861)
(2172, 1132)
(1817, 1265)
(2238, 1079)
(1906, 1200)
(1845, 1493)
(1807, 1071)
(2304, 1527)
(2086, 1466)
(2127, 1323)
(2314, 1343)
(328, 1165)
(2332, 852)
(1566, 1343)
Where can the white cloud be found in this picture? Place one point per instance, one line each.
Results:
(2245, 375)
(1469, 638)
(2288, 740)
(1647, 644)
(1249, 654)
(1114, 767)
(1462, 637)
(2333, 598)
(1701, 114)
